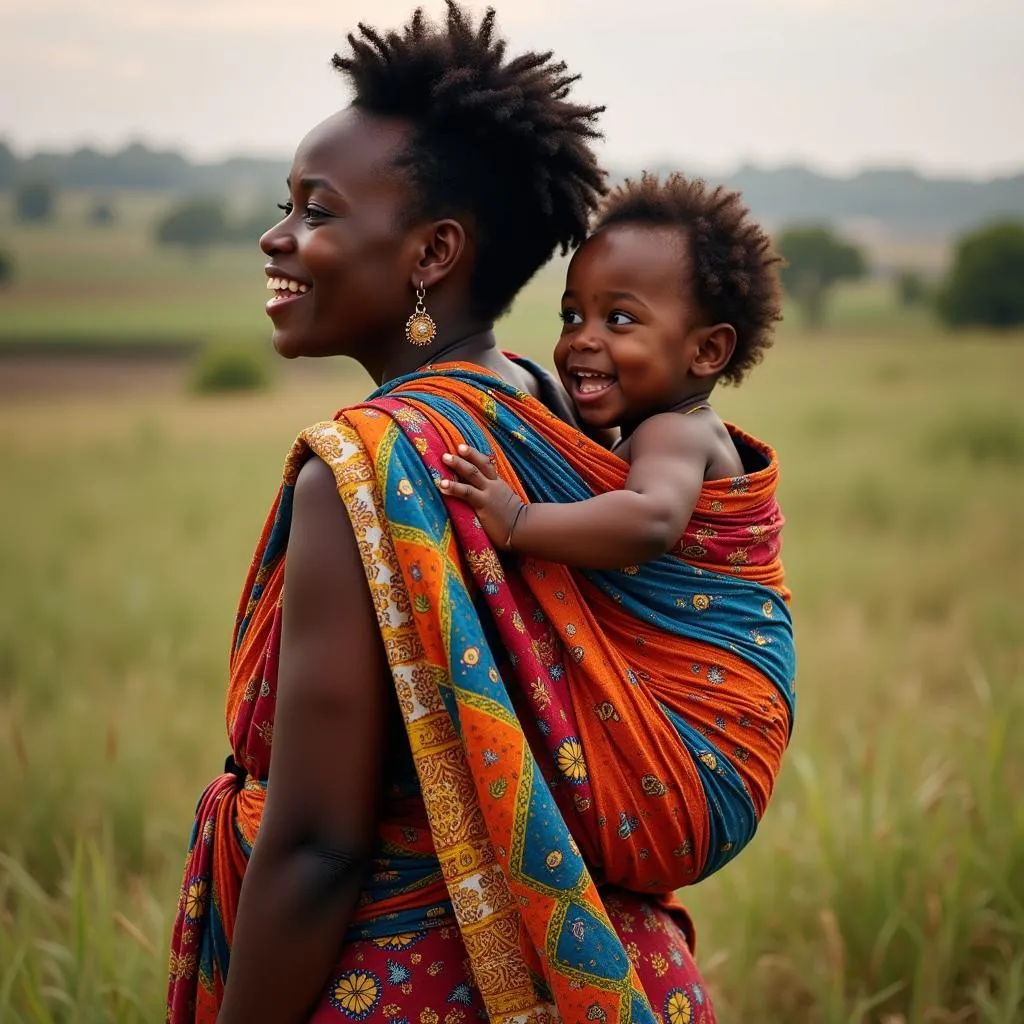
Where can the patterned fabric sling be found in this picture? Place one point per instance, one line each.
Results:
(569, 729)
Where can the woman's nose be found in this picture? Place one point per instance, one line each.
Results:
(277, 239)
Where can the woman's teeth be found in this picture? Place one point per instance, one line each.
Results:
(284, 284)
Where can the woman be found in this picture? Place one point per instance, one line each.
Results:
(384, 887)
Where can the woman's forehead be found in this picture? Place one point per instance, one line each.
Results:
(349, 147)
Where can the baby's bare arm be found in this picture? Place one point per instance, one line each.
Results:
(669, 454)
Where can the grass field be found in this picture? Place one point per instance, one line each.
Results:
(887, 882)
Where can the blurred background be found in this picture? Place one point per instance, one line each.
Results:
(144, 422)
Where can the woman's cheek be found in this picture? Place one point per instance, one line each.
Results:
(320, 259)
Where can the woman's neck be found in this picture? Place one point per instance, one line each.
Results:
(475, 345)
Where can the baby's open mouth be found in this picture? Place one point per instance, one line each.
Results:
(589, 383)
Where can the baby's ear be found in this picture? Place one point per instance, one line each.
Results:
(715, 350)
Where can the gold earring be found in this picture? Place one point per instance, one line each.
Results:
(420, 328)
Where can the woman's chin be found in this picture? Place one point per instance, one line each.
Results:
(287, 345)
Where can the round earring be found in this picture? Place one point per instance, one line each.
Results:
(420, 328)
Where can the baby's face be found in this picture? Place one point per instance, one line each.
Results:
(629, 328)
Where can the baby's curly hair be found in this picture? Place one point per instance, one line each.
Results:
(492, 138)
(734, 268)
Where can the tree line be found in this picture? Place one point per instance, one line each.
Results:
(985, 285)
(774, 195)
(136, 166)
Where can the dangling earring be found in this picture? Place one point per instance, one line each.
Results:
(420, 328)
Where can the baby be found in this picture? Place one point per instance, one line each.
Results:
(675, 290)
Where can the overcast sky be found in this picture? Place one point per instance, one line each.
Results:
(934, 84)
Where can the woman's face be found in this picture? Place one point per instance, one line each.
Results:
(340, 261)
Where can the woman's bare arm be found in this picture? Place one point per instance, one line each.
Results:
(307, 865)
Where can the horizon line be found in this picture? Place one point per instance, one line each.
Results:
(890, 165)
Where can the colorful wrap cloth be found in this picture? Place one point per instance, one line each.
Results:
(569, 729)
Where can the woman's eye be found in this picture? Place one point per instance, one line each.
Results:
(311, 214)
(314, 214)
(570, 316)
(620, 319)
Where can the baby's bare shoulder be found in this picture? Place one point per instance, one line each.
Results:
(668, 432)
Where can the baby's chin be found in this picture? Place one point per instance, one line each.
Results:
(596, 419)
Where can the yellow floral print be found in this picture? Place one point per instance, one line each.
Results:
(356, 993)
(678, 1008)
(195, 899)
(570, 760)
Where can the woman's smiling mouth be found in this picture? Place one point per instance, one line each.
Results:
(286, 290)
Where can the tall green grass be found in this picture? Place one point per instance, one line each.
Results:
(887, 881)
(87, 952)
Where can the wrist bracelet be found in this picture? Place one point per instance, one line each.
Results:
(512, 528)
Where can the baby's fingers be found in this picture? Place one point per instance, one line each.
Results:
(470, 473)
(479, 461)
(455, 489)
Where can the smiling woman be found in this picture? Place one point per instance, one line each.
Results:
(410, 825)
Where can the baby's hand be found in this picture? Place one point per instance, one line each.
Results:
(496, 504)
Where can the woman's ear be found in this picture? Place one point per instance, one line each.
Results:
(715, 349)
(439, 248)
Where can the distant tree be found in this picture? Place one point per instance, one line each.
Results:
(102, 213)
(84, 168)
(8, 165)
(232, 367)
(194, 224)
(6, 268)
(137, 166)
(816, 259)
(986, 284)
(248, 230)
(911, 288)
(35, 200)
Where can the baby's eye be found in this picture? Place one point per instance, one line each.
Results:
(619, 319)
(570, 316)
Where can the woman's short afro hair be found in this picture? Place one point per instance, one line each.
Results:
(494, 140)
(733, 267)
